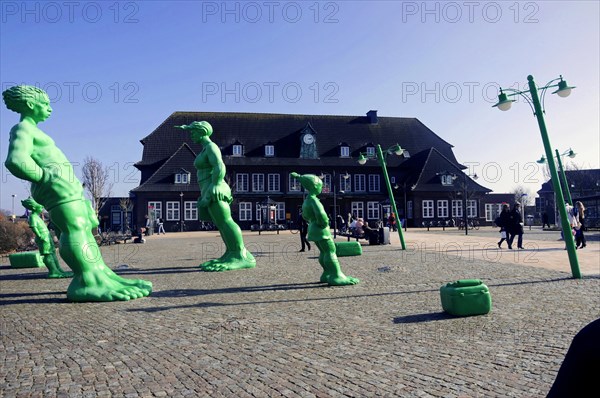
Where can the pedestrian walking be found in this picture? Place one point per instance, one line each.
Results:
(515, 227)
(579, 236)
(503, 221)
(303, 228)
(161, 227)
(545, 220)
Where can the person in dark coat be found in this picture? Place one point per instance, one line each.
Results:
(579, 236)
(578, 374)
(516, 227)
(545, 220)
(503, 223)
(303, 228)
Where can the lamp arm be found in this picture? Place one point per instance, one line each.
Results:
(522, 94)
(544, 89)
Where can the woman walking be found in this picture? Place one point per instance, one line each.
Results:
(503, 223)
(579, 237)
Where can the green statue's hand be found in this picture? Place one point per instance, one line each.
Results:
(181, 127)
(295, 175)
(219, 192)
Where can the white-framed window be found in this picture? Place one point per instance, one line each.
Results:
(447, 179)
(238, 150)
(157, 208)
(326, 183)
(258, 212)
(492, 210)
(442, 209)
(358, 209)
(409, 209)
(269, 150)
(373, 211)
(427, 208)
(115, 218)
(245, 210)
(241, 182)
(173, 211)
(280, 212)
(359, 183)
(457, 208)
(190, 211)
(345, 184)
(370, 151)
(374, 183)
(345, 151)
(258, 182)
(182, 178)
(294, 184)
(273, 183)
(471, 208)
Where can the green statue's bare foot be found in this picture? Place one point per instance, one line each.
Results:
(59, 274)
(100, 286)
(342, 280)
(230, 261)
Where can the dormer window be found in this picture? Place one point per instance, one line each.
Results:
(269, 150)
(370, 151)
(447, 179)
(182, 178)
(238, 150)
(345, 151)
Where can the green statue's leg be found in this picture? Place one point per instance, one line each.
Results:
(54, 269)
(236, 256)
(92, 280)
(333, 273)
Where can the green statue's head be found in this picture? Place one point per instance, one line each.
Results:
(28, 101)
(31, 205)
(198, 130)
(310, 182)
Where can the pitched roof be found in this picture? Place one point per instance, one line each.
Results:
(430, 180)
(582, 180)
(253, 130)
(162, 179)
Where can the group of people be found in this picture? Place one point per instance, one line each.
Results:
(511, 225)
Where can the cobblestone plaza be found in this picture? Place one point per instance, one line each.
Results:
(274, 331)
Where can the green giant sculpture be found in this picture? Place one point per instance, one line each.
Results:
(319, 232)
(43, 239)
(33, 156)
(214, 201)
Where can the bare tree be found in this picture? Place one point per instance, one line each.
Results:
(521, 192)
(96, 182)
(126, 207)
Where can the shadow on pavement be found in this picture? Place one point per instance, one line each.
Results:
(194, 292)
(428, 317)
(27, 298)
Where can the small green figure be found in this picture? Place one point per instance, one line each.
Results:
(214, 201)
(318, 232)
(43, 239)
(33, 156)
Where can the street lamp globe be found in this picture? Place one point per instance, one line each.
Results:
(564, 90)
(503, 103)
(362, 159)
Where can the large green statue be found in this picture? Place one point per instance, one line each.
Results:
(33, 156)
(319, 232)
(43, 239)
(214, 201)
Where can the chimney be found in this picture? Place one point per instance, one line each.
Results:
(372, 117)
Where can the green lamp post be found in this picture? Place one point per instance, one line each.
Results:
(561, 170)
(504, 104)
(394, 149)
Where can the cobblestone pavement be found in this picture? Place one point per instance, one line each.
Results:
(274, 331)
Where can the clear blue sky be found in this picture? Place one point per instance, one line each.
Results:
(115, 71)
